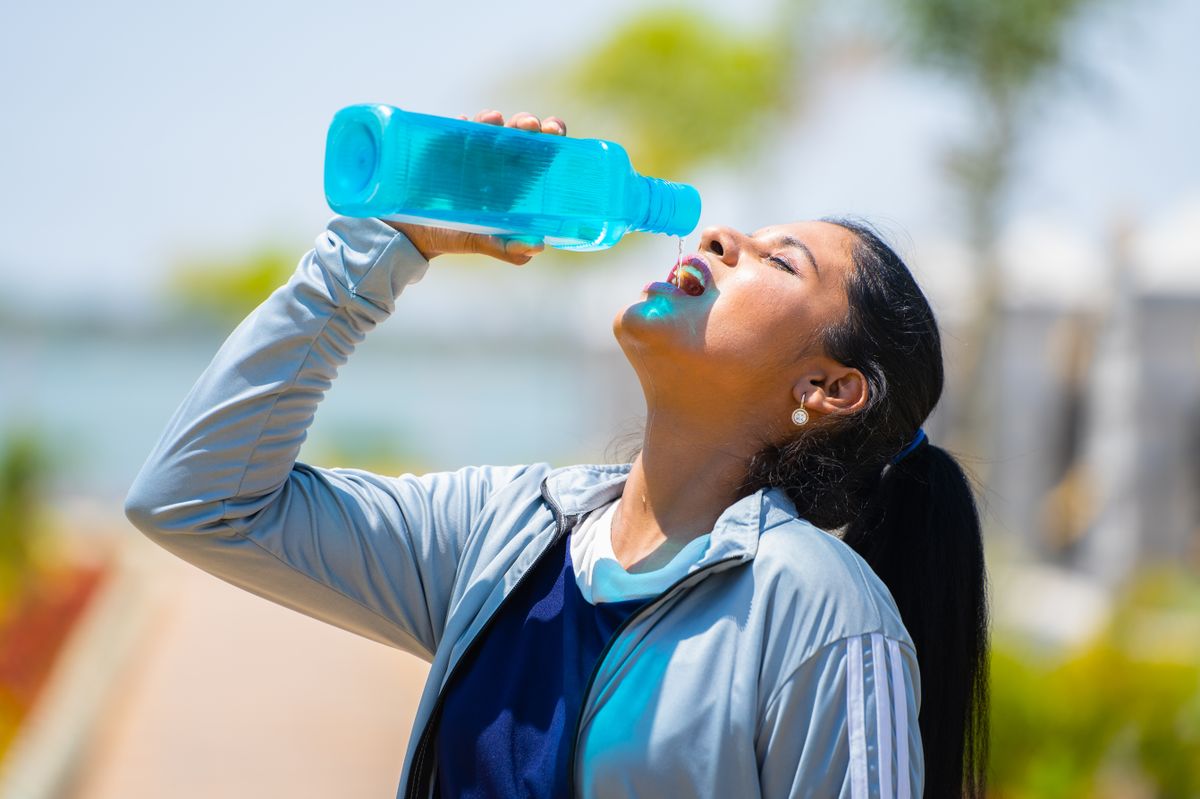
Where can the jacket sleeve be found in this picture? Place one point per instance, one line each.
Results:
(845, 724)
(222, 489)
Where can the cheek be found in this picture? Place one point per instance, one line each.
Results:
(752, 331)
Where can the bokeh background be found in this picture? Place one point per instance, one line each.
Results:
(1035, 161)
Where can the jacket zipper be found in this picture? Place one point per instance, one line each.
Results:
(418, 786)
(644, 609)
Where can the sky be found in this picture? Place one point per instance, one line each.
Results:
(137, 134)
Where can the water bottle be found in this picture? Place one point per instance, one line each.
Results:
(575, 194)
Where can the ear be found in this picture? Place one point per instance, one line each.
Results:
(832, 389)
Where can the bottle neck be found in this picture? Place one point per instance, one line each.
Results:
(671, 208)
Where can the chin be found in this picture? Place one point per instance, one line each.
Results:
(644, 321)
(668, 314)
(655, 339)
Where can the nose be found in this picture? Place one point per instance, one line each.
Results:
(722, 242)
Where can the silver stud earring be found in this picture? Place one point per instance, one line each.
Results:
(800, 416)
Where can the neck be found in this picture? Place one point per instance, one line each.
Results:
(678, 486)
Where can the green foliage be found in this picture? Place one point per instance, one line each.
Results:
(1000, 48)
(681, 88)
(1123, 710)
(24, 465)
(224, 291)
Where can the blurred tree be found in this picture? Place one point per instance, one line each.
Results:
(223, 291)
(24, 466)
(678, 87)
(1005, 55)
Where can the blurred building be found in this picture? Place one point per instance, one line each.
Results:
(1095, 462)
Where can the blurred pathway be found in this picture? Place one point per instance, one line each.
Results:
(232, 696)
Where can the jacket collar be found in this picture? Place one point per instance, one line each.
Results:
(577, 490)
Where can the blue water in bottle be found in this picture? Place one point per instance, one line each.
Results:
(575, 194)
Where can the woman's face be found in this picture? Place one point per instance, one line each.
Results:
(738, 322)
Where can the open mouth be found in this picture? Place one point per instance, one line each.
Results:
(691, 276)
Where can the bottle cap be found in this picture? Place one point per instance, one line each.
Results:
(674, 208)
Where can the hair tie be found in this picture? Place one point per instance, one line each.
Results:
(916, 442)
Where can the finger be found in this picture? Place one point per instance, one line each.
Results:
(462, 116)
(524, 120)
(509, 250)
(490, 117)
(515, 251)
(554, 125)
(522, 247)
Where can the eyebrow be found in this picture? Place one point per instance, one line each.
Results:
(792, 241)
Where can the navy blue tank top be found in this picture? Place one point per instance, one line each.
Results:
(508, 714)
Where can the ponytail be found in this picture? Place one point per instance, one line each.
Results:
(912, 518)
(920, 533)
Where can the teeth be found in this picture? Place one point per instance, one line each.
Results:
(691, 280)
(688, 278)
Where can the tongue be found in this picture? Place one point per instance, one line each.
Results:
(690, 284)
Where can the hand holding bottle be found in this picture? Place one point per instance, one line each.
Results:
(434, 241)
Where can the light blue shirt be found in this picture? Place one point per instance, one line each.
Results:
(600, 575)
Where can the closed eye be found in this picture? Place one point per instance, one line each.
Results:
(783, 264)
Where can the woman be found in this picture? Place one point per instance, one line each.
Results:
(678, 626)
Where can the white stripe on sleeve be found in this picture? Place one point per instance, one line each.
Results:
(900, 705)
(856, 714)
(883, 714)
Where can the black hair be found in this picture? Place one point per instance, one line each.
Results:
(915, 521)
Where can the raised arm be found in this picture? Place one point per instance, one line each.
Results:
(222, 488)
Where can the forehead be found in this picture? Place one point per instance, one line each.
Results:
(830, 244)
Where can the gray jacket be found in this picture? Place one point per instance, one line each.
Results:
(777, 667)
